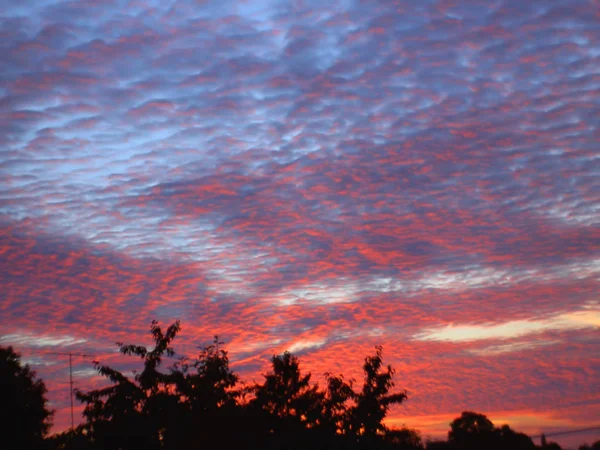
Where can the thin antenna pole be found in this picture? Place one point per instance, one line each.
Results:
(70, 355)
(71, 384)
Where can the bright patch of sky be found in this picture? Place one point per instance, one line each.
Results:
(589, 318)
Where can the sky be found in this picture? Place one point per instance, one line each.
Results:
(320, 177)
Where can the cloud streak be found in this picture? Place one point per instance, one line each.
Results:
(516, 328)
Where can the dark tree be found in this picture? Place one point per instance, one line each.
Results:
(552, 446)
(471, 431)
(207, 384)
(24, 416)
(474, 431)
(440, 445)
(193, 403)
(508, 438)
(374, 400)
(404, 439)
(69, 439)
(335, 417)
(129, 414)
(207, 396)
(286, 393)
(172, 409)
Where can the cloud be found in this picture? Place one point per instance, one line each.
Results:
(516, 328)
(300, 346)
(33, 340)
(512, 347)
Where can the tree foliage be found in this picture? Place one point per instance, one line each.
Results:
(470, 430)
(130, 413)
(375, 399)
(474, 431)
(24, 415)
(286, 393)
(594, 446)
(170, 408)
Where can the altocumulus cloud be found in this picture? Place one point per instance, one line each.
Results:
(316, 177)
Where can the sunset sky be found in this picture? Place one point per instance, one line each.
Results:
(314, 176)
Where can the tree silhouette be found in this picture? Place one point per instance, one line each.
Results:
(373, 402)
(474, 431)
(286, 405)
(551, 446)
(24, 416)
(404, 438)
(128, 414)
(166, 410)
(594, 446)
(471, 431)
(335, 417)
(286, 393)
(198, 401)
(207, 397)
(508, 438)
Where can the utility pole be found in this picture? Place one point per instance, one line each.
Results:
(70, 355)
(71, 384)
